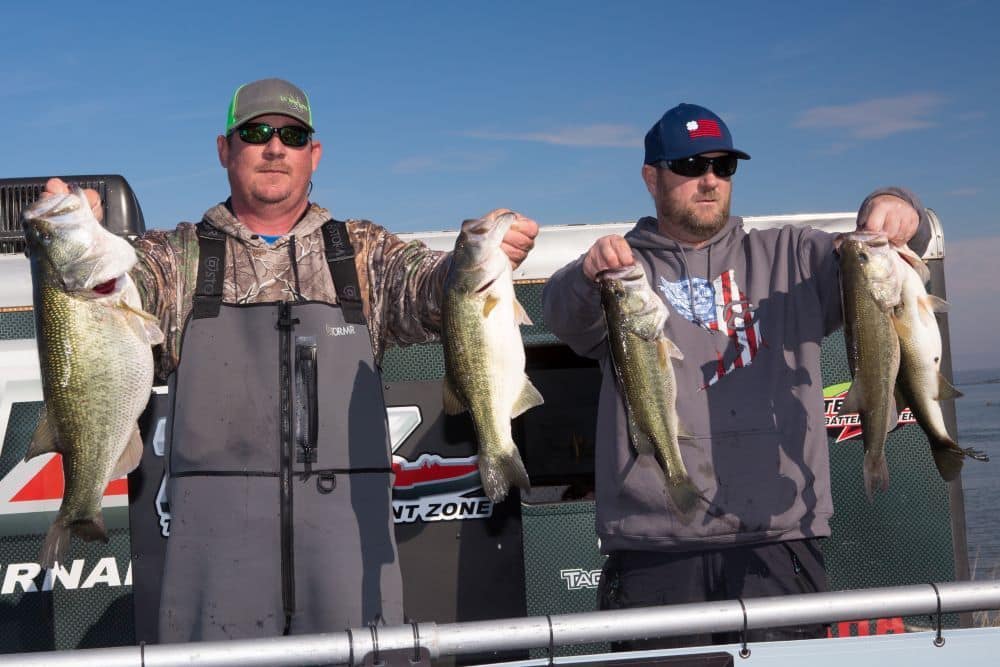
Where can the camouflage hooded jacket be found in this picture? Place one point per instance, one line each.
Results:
(402, 282)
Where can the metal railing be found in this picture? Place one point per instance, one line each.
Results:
(457, 639)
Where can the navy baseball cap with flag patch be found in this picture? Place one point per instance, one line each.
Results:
(687, 130)
(267, 96)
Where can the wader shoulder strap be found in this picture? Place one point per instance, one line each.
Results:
(340, 257)
(211, 262)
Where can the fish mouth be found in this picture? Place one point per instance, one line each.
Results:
(488, 225)
(868, 238)
(55, 206)
(107, 287)
(625, 274)
(488, 284)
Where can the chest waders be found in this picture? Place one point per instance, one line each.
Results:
(279, 474)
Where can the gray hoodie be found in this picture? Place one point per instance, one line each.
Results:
(749, 310)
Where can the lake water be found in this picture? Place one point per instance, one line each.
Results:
(979, 427)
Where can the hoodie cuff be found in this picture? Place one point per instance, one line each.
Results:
(922, 237)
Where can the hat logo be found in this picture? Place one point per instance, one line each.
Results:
(294, 103)
(705, 127)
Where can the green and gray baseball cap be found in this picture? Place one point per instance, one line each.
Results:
(267, 96)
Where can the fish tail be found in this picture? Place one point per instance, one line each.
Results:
(90, 530)
(499, 472)
(876, 474)
(684, 496)
(948, 457)
(56, 544)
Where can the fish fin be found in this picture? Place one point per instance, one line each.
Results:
(946, 390)
(144, 324)
(499, 473)
(520, 314)
(926, 309)
(130, 458)
(915, 261)
(854, 399)
(876, 472)
(488, 305)
(138, 312)
(666, 350)
(150, 331)
(452, 403)
(937, 304)
(529, 398)
(56, 544)
(90, 530)
(44, 440)
(948, 457)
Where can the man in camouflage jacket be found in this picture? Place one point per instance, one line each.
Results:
(263, 539)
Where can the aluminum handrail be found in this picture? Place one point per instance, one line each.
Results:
(352, 646)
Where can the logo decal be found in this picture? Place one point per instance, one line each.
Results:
(434, 488)
(576, 578)
(23, 576)
(719, 306)
(348, 330)
(849, 424)
(705, 127)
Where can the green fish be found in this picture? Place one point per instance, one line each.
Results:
(870, 287)
(483, 353)
(642, 355)
(95, 358)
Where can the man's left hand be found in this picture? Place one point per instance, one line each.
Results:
(892, 216)
(519, 239)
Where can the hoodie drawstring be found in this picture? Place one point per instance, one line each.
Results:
(695, 317)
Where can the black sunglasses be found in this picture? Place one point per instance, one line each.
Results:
(724, 166)
(294, 136)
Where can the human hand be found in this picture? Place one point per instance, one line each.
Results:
(519, 239)
(57, 186)
(608, 252)
(891, 215)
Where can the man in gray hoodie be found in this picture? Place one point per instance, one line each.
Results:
(749, 311)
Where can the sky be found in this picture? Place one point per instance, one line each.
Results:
(433, 112)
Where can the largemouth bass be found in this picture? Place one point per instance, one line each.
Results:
(96, 363)
(483, 352)
(870, 286)
(641, 354)
(919, 383)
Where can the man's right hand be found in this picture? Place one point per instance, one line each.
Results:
(608, 252)
(57, 186)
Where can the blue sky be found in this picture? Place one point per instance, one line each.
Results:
(433, 112)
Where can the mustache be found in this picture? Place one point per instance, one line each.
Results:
(276, 165)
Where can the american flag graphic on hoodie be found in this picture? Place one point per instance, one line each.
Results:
(725, 309)
(735, 312)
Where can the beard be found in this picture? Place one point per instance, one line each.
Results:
(271, 191)
(698, 225)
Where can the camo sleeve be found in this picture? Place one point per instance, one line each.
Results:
(405, 283)
(165, 275)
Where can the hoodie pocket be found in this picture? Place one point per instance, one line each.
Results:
(743, 477)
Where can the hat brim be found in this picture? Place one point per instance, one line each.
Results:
(272, 112)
